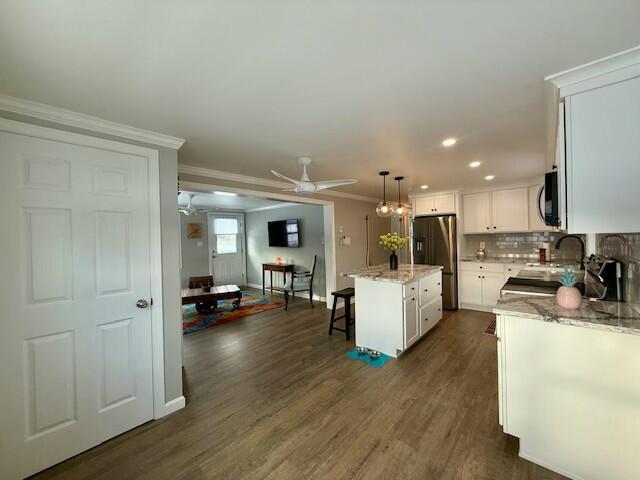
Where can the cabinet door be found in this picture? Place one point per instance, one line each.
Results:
(491, 285)
(444, 203)
(603, 159)
(535, 222)
(510, 210)
(476, 212)
(411, 323)
(471, 287)
(423, 206)
(430, 315)
(512, 270)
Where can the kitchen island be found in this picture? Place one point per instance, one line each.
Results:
(569, 384)
(395, 308)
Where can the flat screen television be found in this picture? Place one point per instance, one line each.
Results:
(284, 233)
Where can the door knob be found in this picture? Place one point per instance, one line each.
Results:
(142, 303)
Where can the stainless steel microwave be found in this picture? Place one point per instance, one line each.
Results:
(551, 192)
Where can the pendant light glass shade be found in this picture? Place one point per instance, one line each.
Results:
(399, 209)
(383, 209)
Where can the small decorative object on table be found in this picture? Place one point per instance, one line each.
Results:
(568, 296)
(392, 241)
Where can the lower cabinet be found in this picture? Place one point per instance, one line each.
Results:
(422, 307)
(430, 315)
(480, 283)
(411, 323)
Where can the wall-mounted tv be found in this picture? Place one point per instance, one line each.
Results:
(284, 233)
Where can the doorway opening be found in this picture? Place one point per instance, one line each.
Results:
(240, 251)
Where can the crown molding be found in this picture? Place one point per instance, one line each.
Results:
(86, 122)
(611, 69)
(265, 182)
(272, 207)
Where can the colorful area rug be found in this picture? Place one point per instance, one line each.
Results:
(193, 321)
(376, 361)
(491, 329)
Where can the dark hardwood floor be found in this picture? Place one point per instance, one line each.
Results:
(272, 396)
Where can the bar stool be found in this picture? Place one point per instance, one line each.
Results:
(345, 294)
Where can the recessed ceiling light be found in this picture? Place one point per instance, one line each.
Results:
(489, 177)
(449, 142)
(424, 187)
(226, 194)
(474, 164)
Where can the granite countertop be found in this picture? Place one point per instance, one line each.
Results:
(406, 272)
(521, 260)
(611, 316)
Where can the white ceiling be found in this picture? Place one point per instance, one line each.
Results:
(218, 202)
(360, 86)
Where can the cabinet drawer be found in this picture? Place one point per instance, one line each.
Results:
(430, 315)
(410, 289)
(430, 288)
(482, 267)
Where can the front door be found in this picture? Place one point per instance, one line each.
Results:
(75, 351)
(226, 245)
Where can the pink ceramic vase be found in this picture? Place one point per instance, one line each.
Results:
(569, 298)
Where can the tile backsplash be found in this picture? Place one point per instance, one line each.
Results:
(625, 248)
(522, 245)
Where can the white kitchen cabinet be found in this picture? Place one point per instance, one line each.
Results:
(536, 224)
(390, 310)
(510, 210)
(497, 211)
(440, 204)
(430, 315)
(411, 322)
(512, 270)
(480, 284)
(471, 288)
(603, 159)
(476, 212)
(491, 285)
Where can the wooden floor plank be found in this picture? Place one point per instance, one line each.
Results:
(272, 396)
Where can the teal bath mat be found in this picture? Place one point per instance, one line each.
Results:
(375, 359)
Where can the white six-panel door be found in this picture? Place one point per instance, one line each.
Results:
(76, 359)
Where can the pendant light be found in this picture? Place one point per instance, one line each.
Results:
(399, 210)
(384, 210)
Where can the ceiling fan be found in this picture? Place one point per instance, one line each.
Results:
(305, 185)
(191, 209)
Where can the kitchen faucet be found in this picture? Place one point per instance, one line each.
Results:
(582, 247)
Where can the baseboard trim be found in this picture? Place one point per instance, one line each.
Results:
(479, 308)
(547, 465)
(317, 298)
(172, 406)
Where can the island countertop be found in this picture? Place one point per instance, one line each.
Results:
(406, 273)
(610, 316)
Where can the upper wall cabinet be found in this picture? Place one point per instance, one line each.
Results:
(602, 144)
(440, 204)
(498, 211)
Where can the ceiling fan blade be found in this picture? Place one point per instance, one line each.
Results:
(297, 182)
(334, 183)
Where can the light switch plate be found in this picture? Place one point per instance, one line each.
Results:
(200, 243)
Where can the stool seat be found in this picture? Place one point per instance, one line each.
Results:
(345, 294)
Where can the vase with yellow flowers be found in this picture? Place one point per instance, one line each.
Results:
(392, 241)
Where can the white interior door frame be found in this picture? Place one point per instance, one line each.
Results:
(243, 237)
(160, 409)
(328, 215)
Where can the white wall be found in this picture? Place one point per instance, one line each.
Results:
(310, 218)
(195, 252)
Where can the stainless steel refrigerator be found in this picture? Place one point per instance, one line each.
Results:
(433, 242)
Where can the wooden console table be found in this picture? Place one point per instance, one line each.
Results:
(275, 267)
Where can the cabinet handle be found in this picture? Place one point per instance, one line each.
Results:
(437, 283)
(479, 276)
(480, 267)
(487, 228)
(494, 227)
(426, 289)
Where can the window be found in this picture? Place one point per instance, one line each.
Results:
(226, 230)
